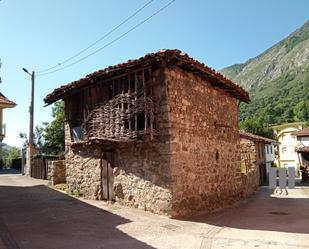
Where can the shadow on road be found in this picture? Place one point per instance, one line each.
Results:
(38, 217)
(9, 171)
(265, 212)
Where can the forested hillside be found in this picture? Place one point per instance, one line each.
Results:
(278, 82)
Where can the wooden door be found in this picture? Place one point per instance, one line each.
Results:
(107, 177)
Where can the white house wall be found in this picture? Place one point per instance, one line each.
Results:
(288, 156)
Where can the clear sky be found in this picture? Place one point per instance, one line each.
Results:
(37, 34)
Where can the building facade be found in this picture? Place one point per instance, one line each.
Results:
(4, 103)
(288, 142)
(158, 133)
(302, 150)
(257, 156)
(270, 154)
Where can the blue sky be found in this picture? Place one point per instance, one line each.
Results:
(38, 34)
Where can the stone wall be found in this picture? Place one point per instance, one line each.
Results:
(192, 165)
(204, 144)
(250, 162)
(56, 172)
(140, 169)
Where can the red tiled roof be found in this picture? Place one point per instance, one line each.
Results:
(302, 133)
(173, 57)
(257, 138)
(5, 101)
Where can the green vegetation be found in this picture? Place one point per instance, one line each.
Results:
(256, 126)
(283, 100)
(278, 83)
(13, 153)
(49, 138)
(54, 132)
(62, 187)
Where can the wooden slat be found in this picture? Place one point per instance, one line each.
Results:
(145, 109)
(135, 98)
(129, 91)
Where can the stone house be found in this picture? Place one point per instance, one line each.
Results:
(158, 133)
(257, 153)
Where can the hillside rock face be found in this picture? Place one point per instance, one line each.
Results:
(277, 80)
(289, 55)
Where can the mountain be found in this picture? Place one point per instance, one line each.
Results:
(277, 80)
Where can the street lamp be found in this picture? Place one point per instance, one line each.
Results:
(31, 111)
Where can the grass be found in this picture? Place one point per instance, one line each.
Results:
(62, 187)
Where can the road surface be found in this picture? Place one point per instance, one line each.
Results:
(33, 216)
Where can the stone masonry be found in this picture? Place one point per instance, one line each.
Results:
(251, 176)
(204, 144)
(56, 172)
(191, 165)
(141, 170)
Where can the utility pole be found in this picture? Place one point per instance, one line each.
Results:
(31, 110)
(31, 147)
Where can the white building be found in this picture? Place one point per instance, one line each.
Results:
(302, 137)
(270, 156)
(288, 142)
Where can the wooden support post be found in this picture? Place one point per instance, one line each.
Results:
(145, 104)
(129, 104)
(135, 98)
(113, 89)
(122, 114)
(151, 111)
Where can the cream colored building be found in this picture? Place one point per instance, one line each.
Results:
(287, 156)
(4, 103)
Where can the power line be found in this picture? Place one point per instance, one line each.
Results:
(113, 41)
(98, 40)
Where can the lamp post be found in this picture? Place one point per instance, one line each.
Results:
(31, 111)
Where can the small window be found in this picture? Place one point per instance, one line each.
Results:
(217, 155)
(77, 133)
(284, 150)
(267, 149)
(271, 149)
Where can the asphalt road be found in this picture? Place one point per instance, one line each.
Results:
(33, 216)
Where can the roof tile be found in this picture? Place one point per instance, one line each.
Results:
(184, 61)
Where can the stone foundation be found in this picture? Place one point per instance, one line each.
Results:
(192, 165)
(56, 172)
(204, 145)
(140, 170)
(249, 161)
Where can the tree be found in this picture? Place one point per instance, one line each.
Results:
(256, 126)
(38, 138)
(301, 110)
(14, 153)
(49, 138)
(54, 132)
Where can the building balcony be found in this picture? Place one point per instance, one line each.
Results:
(124, 118)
